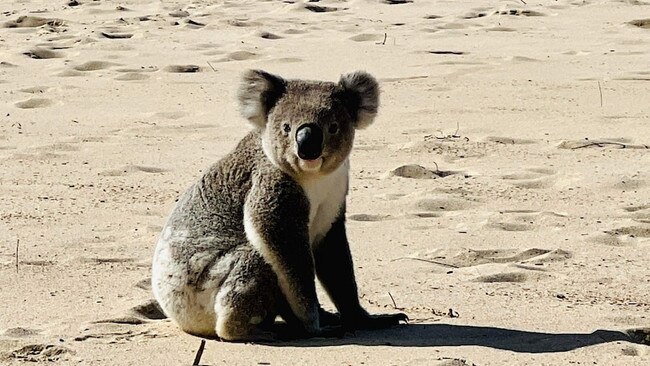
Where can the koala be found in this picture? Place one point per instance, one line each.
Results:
(246, 242)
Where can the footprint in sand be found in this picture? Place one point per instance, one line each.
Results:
(295, 31)
(182, 68)
(442, 204)
(94, 66)
(39, 353)
(138, 69)
(42, 54)
(503, 277)
(20, 332)
(532, 178)
(144, 284)
(525, 220)
(368, 217)
(148, 310)
(601, 144)
(70, 73)
(365, 37)
(139, 322)
(132, 76)
(99, 260)
(510, 226)
(509, 140)
(639, 213)
(179, 14)
(130, 169)
(239, 56)
(519, 12)
(242, 23)
(268, 35)
(322, 9)
(610, 240)
(286, 60)
(36, 90)
(495, 266)
(641, 23)
(511, 12)
(463, 258)
(501, 29)
(32, 22)
(34, 103)
(635, 231)
(627, 183)
(416, 171)
(116, 35)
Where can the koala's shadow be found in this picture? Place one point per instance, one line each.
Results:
(432, 335)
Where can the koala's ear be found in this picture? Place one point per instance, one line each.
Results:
(361, 97)
(258, 93)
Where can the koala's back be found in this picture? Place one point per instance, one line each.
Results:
(214, 204)
(204, 235)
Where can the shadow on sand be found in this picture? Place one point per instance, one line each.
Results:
(431, 335)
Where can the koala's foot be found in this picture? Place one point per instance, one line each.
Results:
(379, 321)
(328, 319)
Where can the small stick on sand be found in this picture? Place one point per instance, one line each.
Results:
(600, 144)
(393, 300)
(17, 244)
(442, 136)
(523, 2)
(212, 67)
(601, 95)
(456, 135)
(199, 353)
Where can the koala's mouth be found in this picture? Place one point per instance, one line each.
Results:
(310, 165)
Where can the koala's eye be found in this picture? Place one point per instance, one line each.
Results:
(286, 127)
(334, 128)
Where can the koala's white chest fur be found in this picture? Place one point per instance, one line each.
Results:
(326, 197)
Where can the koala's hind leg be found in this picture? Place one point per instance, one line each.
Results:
(246, 299)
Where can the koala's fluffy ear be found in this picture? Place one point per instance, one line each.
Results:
(258, 93)
(361, 96)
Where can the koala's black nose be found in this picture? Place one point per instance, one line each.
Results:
(310, 141)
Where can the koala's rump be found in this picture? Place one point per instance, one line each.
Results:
(203, 245)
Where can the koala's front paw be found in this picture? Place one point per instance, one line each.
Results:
(379, 321)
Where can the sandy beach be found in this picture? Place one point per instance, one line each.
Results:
(501, 199)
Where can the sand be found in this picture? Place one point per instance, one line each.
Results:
(501, 199)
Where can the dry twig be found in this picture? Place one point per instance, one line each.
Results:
(392, 299)
(199, 353)
(442, 136)
(601, 94)
(17, 244)
(600, 144)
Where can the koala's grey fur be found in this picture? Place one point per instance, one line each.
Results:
(246, 241)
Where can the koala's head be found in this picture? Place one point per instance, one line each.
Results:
(308, 126)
